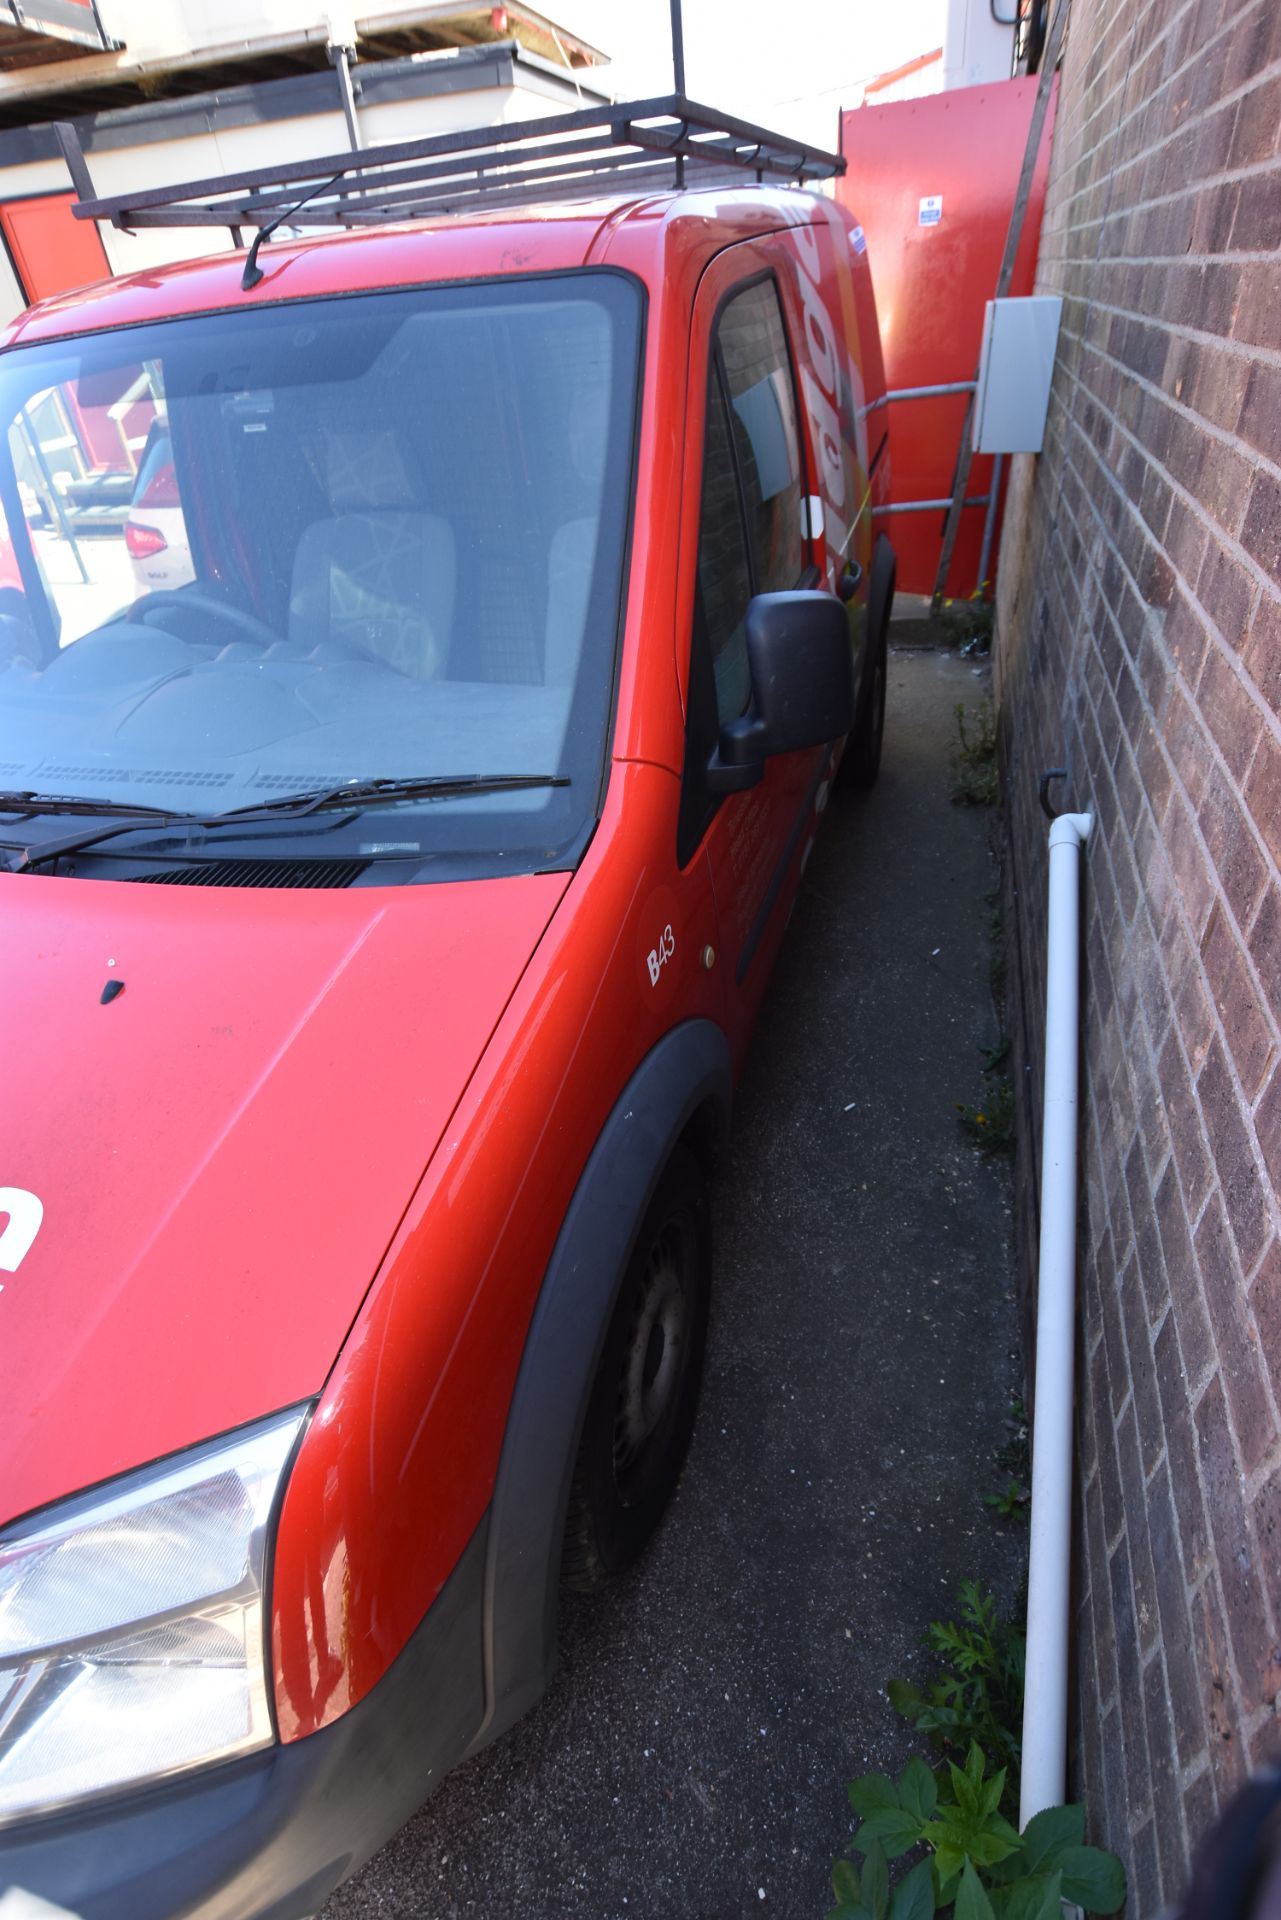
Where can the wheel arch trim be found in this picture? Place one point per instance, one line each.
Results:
(681, 1088)
(880, 608)
(881, 586)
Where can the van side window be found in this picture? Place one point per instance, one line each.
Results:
(724, 577)
(758, 374)
(750, 526)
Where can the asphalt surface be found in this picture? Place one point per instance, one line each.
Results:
(689, 1762)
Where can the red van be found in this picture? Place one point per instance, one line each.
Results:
(384, 911)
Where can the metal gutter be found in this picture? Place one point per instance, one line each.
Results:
(258, 103)
(399, 20)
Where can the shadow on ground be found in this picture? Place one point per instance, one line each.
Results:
(689, 1762)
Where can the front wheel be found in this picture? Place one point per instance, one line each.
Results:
(641, 1413)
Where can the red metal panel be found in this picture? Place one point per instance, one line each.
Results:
(213, 1214)
(51, 249)
(932, 282)
(36, 31)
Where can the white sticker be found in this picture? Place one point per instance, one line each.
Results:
(931, 210)
(858, 240)
(25, 1214)
(657, 957)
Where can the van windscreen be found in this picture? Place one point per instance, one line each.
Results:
(288, 547)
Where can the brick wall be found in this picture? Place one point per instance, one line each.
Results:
(1139, 644)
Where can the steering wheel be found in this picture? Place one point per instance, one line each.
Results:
(247, 623)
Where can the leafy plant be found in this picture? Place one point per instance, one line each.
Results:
(867, 1896)
(978, 1697)
(975, 1862)
(993, 1125)
(974, 766)
(993, 1122)
(968, 623)
(1011, 1503)
(996, 1057)
(1014, 1454)
(1014, 1457)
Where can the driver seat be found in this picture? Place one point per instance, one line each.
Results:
(380, 582)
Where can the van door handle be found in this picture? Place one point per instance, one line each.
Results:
(850, 581)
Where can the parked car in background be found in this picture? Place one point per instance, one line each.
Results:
(155, 530)
(388, 894)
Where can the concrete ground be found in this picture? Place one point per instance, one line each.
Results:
(690, 1760)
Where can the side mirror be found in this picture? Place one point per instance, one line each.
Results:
(802, 675)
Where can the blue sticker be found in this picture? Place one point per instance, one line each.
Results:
(931, 210)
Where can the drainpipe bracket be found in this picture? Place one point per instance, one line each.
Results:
(1071, 829)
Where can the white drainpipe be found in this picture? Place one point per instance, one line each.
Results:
(1048, 1599)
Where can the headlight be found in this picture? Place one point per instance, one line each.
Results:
(132, 1639)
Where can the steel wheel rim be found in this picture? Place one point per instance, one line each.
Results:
(654, 1357)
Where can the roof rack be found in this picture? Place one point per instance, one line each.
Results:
(639, 146)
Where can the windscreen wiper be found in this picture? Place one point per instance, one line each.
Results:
(31, 803)
(125, 816)
(370, 793)
(355, 795)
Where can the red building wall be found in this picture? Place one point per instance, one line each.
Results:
(934, 278)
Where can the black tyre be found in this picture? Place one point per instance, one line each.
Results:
(861, 761)
(641, 1413)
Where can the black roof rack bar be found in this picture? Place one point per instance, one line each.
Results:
(584, 165)
(637, 178)
(489, 139)
(68, 138)
(625, 173)
(642, 182)
(399, 184)
(622, 171)
(607, 136)
(407, 160)
(465, 197)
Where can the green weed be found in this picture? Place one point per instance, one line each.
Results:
(976, 1864)
(977, 779)
(992, 1125)
(977, 1694)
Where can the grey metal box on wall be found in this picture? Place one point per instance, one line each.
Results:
(1016, 362)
